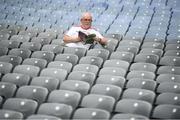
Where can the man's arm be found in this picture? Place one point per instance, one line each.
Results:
(71, 39)
(102, 41)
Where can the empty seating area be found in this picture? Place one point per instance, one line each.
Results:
(135, 76)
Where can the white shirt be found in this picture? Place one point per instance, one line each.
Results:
(73, 31)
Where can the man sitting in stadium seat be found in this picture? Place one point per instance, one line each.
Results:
(73, 39)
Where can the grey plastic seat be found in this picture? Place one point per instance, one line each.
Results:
(32, 92)
(158, 52)
(9, 44)
(59, 110)
(112, 80)
(168, 98)
(168, 70)
(80, 52)
(166, 111)
(33, 46)
(98, 101)
(72, 58)
(3, 50)
(86, 67)
(82, 76)
(155, 45)
(148, 84)
(102, 53)
(16, 78)
(129, 42)
(140, 74)
(10, 114)
(147, 58)
(14, 60)
(91, 113)
(139, 94)
(30, 70)
(5, 67)
(168, 78)
(68, 97)
(111, 44)
(24, 53)
(172, 87)
(20, 38)
(59, 74)
(49, 56)
(28, 32)
(56, 49)
(92, 60)
(133, 106)
(107, 89)
(51, 35)
(170, 61)
(40, 116)
(143, 67)
(116, 63)
(75, 85)
(48, 82)
(128, 48)
(7, 90)
(172, 53)
(41, 63)
(120, 116)
(41, 40)
(172, 47)
(126, 56)
(25, 106)
(61, 65)
(116, 71)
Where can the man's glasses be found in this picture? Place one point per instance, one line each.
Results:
(88, 20)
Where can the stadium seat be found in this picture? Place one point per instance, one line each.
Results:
(68, 97)
(139, 94)
(7, 90)
(143, 67)
(98, 101)
(59, 110)
(140, 74)
(61, 65)
(168, 70)
(92, 60)
(41, 63)
(25, 106)
(24, 53)
(133, 106)
(168, 98)
(13, 59)
(5, 67)
(102, 53)
(40, 116)
(80, 52)
(107, 89)
(30, 70)
(116, 71)
(126, 56)
(128, 116)
(10, 114)
(46, 55)
(112, 80)
(170, 61)
(141, 83)
(48, 82)
(116, 63)
(72, 58)
(168, 78)
(91, 113)
(3, 50)
(16, 78)
(59, 74)
(9, 44)
(36, 93)
(168, 87)
(56, 49)
(86, 68)
(75, 85)
(33, 46)
(166, 111)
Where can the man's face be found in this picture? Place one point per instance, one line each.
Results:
(86, 22)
